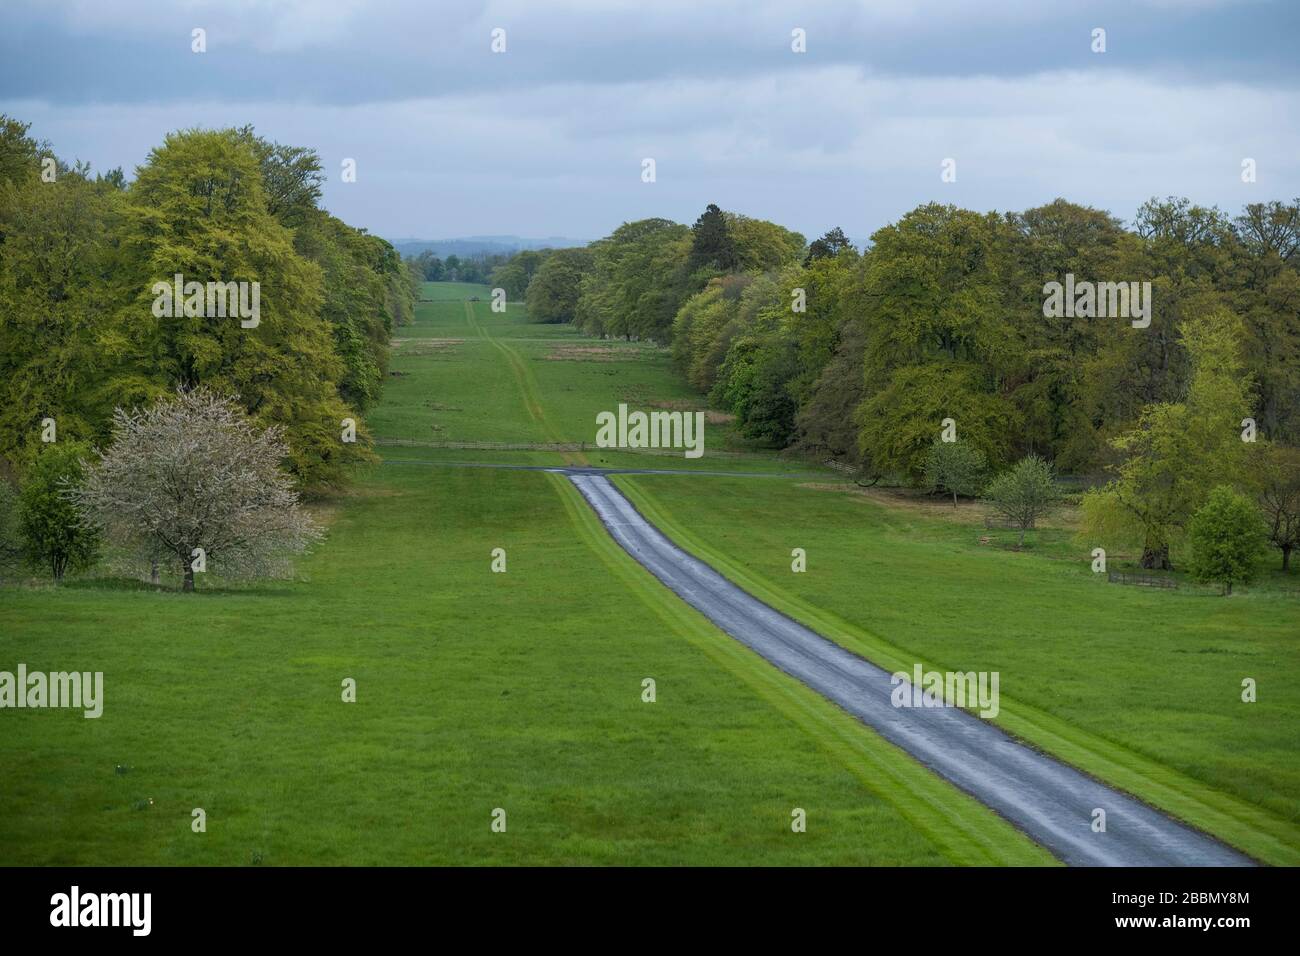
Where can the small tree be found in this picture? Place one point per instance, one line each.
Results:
(195, 473)
(1226, 536)
(956, 468)
(53, 531)
(1024, 493)
(1279, 499)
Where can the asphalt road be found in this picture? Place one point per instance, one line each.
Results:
(1049, 801)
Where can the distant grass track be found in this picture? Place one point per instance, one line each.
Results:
(528, 389)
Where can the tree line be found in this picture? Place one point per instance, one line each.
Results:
(859, 355)
(153, 426)
(454, 268)
(80, 258)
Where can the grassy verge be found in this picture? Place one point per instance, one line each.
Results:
(1142, 692)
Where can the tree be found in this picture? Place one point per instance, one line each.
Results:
(759, 245)
(1265, 276)
(637, 281)
(20, 155)
(552, 294)
(711, 243)
(898, 422)
(753, 380)
(291, 177)
(1179, 450)
(194, 472)
(956, 468)
(1065, 386)
(1226, 536)
(706, 326)
(934, 293)
(60, 285)
(828, 246)
(1279, 498)
(198, 208)
(1024, 493)
(54, 533)
(367, 292)
(825, 422)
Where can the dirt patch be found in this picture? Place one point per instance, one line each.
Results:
(914, 501)
(592, 353)
(425, 346)
(711, 416)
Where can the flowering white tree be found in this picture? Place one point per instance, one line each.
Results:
(195, 473)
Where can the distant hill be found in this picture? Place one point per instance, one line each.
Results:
(470, 246)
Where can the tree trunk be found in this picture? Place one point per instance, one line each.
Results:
(188, 570)
(1227, 587)
(155, 577)
(954, 499)
(1286, 558)
(1156, 558)
(1020, 543)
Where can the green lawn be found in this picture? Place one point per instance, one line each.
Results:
(459, 374)
(1140, 687)
(475, 690)
(523, 690)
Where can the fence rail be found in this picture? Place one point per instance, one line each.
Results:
(547, 446)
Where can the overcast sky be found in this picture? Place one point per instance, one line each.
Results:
(548, 138)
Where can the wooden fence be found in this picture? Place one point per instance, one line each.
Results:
(549, 446)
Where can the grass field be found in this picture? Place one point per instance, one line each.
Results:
(467, 374)
(474, 690)
(1139, 687)
(523, 690)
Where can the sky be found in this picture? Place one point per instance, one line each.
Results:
(548, 138)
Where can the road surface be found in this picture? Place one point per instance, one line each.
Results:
(1049, 801)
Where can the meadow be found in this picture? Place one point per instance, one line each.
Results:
(475, 691)
(523, 690)
(1140, 687)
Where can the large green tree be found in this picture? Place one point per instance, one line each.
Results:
(62, 350)
(198, 209)
(637, 282)
(553, 290)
